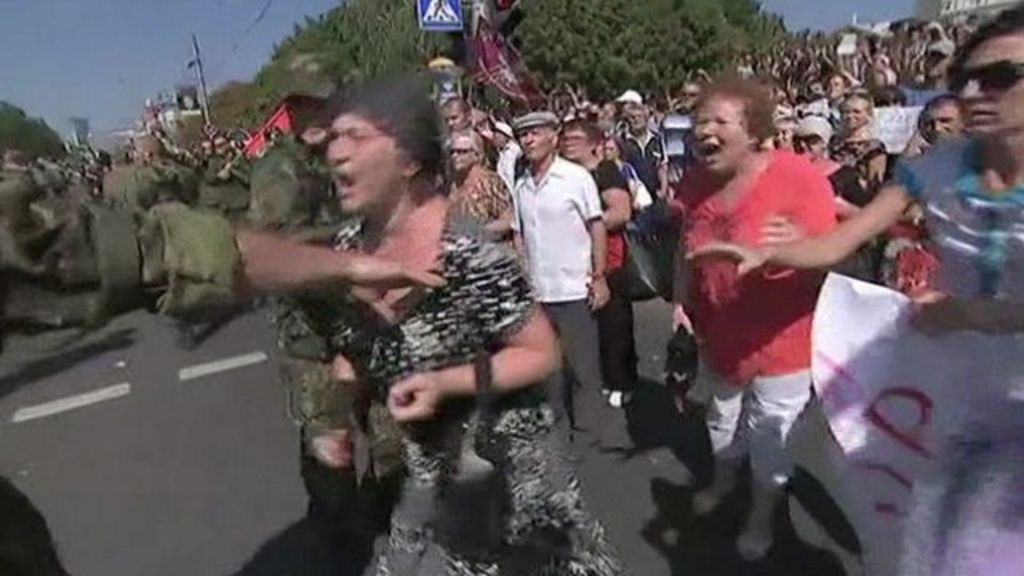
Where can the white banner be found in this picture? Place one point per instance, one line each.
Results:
(890, 395)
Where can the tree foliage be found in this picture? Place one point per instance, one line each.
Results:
(606, 46)
(362, 38)
(601, 45)
(31, 136)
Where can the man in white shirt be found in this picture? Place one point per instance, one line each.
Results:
(559, 229)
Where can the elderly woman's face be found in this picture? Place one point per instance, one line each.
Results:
(784, 134)
(367, 165)
(856, 114)
(464, 153)
(723, 139)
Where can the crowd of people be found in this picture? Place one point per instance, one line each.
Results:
(490, 247)
(777, 164)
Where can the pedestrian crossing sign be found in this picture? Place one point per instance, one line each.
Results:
(440, 15)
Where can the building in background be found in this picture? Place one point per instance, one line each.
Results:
(934, 9)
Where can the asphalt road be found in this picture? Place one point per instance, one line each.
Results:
(151, 460)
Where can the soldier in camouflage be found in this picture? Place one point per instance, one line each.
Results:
(289, 186)
(224, 184)
(152, 178)
(291, 192)
(142, 247)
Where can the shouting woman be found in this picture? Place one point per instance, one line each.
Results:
(431, 355)
(967, 517)
(754, 332)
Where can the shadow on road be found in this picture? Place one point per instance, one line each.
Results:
(310, 547)
(26, 544)
(697, 546)
(655, 423)
(63, 358)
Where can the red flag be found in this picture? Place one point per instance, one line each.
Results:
(281, 119)
(500, 65)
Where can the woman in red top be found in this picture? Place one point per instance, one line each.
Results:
(754, 332)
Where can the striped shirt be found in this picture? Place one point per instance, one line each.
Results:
(979, 236)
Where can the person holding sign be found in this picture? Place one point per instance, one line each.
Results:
(967, 518)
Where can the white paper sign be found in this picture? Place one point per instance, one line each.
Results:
(891, 396)
(847, 45)
(895, 126)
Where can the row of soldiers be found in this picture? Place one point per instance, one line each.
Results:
(151, 234)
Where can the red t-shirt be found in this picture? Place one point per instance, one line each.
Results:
(758, 325)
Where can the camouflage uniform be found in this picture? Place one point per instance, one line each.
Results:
(139, 248)
(143, 186)
(290, 191)
(224, 187)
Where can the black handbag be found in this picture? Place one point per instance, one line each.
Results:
(651, 240)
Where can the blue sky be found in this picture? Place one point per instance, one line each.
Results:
(103, 58)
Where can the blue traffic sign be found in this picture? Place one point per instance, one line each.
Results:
(440, 15)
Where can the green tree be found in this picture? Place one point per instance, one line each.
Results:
(362, 38)
(29, 135)
(606, 46)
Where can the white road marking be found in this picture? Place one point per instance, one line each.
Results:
(200, 370)
(71, 403)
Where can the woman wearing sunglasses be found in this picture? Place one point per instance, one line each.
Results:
(968, 518)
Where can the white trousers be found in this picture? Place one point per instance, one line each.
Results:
(755, 419)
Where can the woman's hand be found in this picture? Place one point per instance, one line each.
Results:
(333, 448)
(681, 319)
(780, 230)
(342, 370)
(416, 398)
(747, 259)
(598, 293)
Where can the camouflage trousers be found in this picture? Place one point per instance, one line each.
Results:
(362, 494)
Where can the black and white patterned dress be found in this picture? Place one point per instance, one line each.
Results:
(486, 299)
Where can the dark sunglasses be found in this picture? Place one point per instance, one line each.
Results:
(995, 77)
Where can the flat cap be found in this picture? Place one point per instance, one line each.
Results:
(534, 119)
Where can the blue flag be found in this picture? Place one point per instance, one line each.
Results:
(440, 15)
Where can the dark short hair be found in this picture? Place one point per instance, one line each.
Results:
(889, 96)
(943, 100)
(400, 107)
(758, 106)
(1007, 23)
(591, 130)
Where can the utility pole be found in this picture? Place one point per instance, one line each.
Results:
(204, 98)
